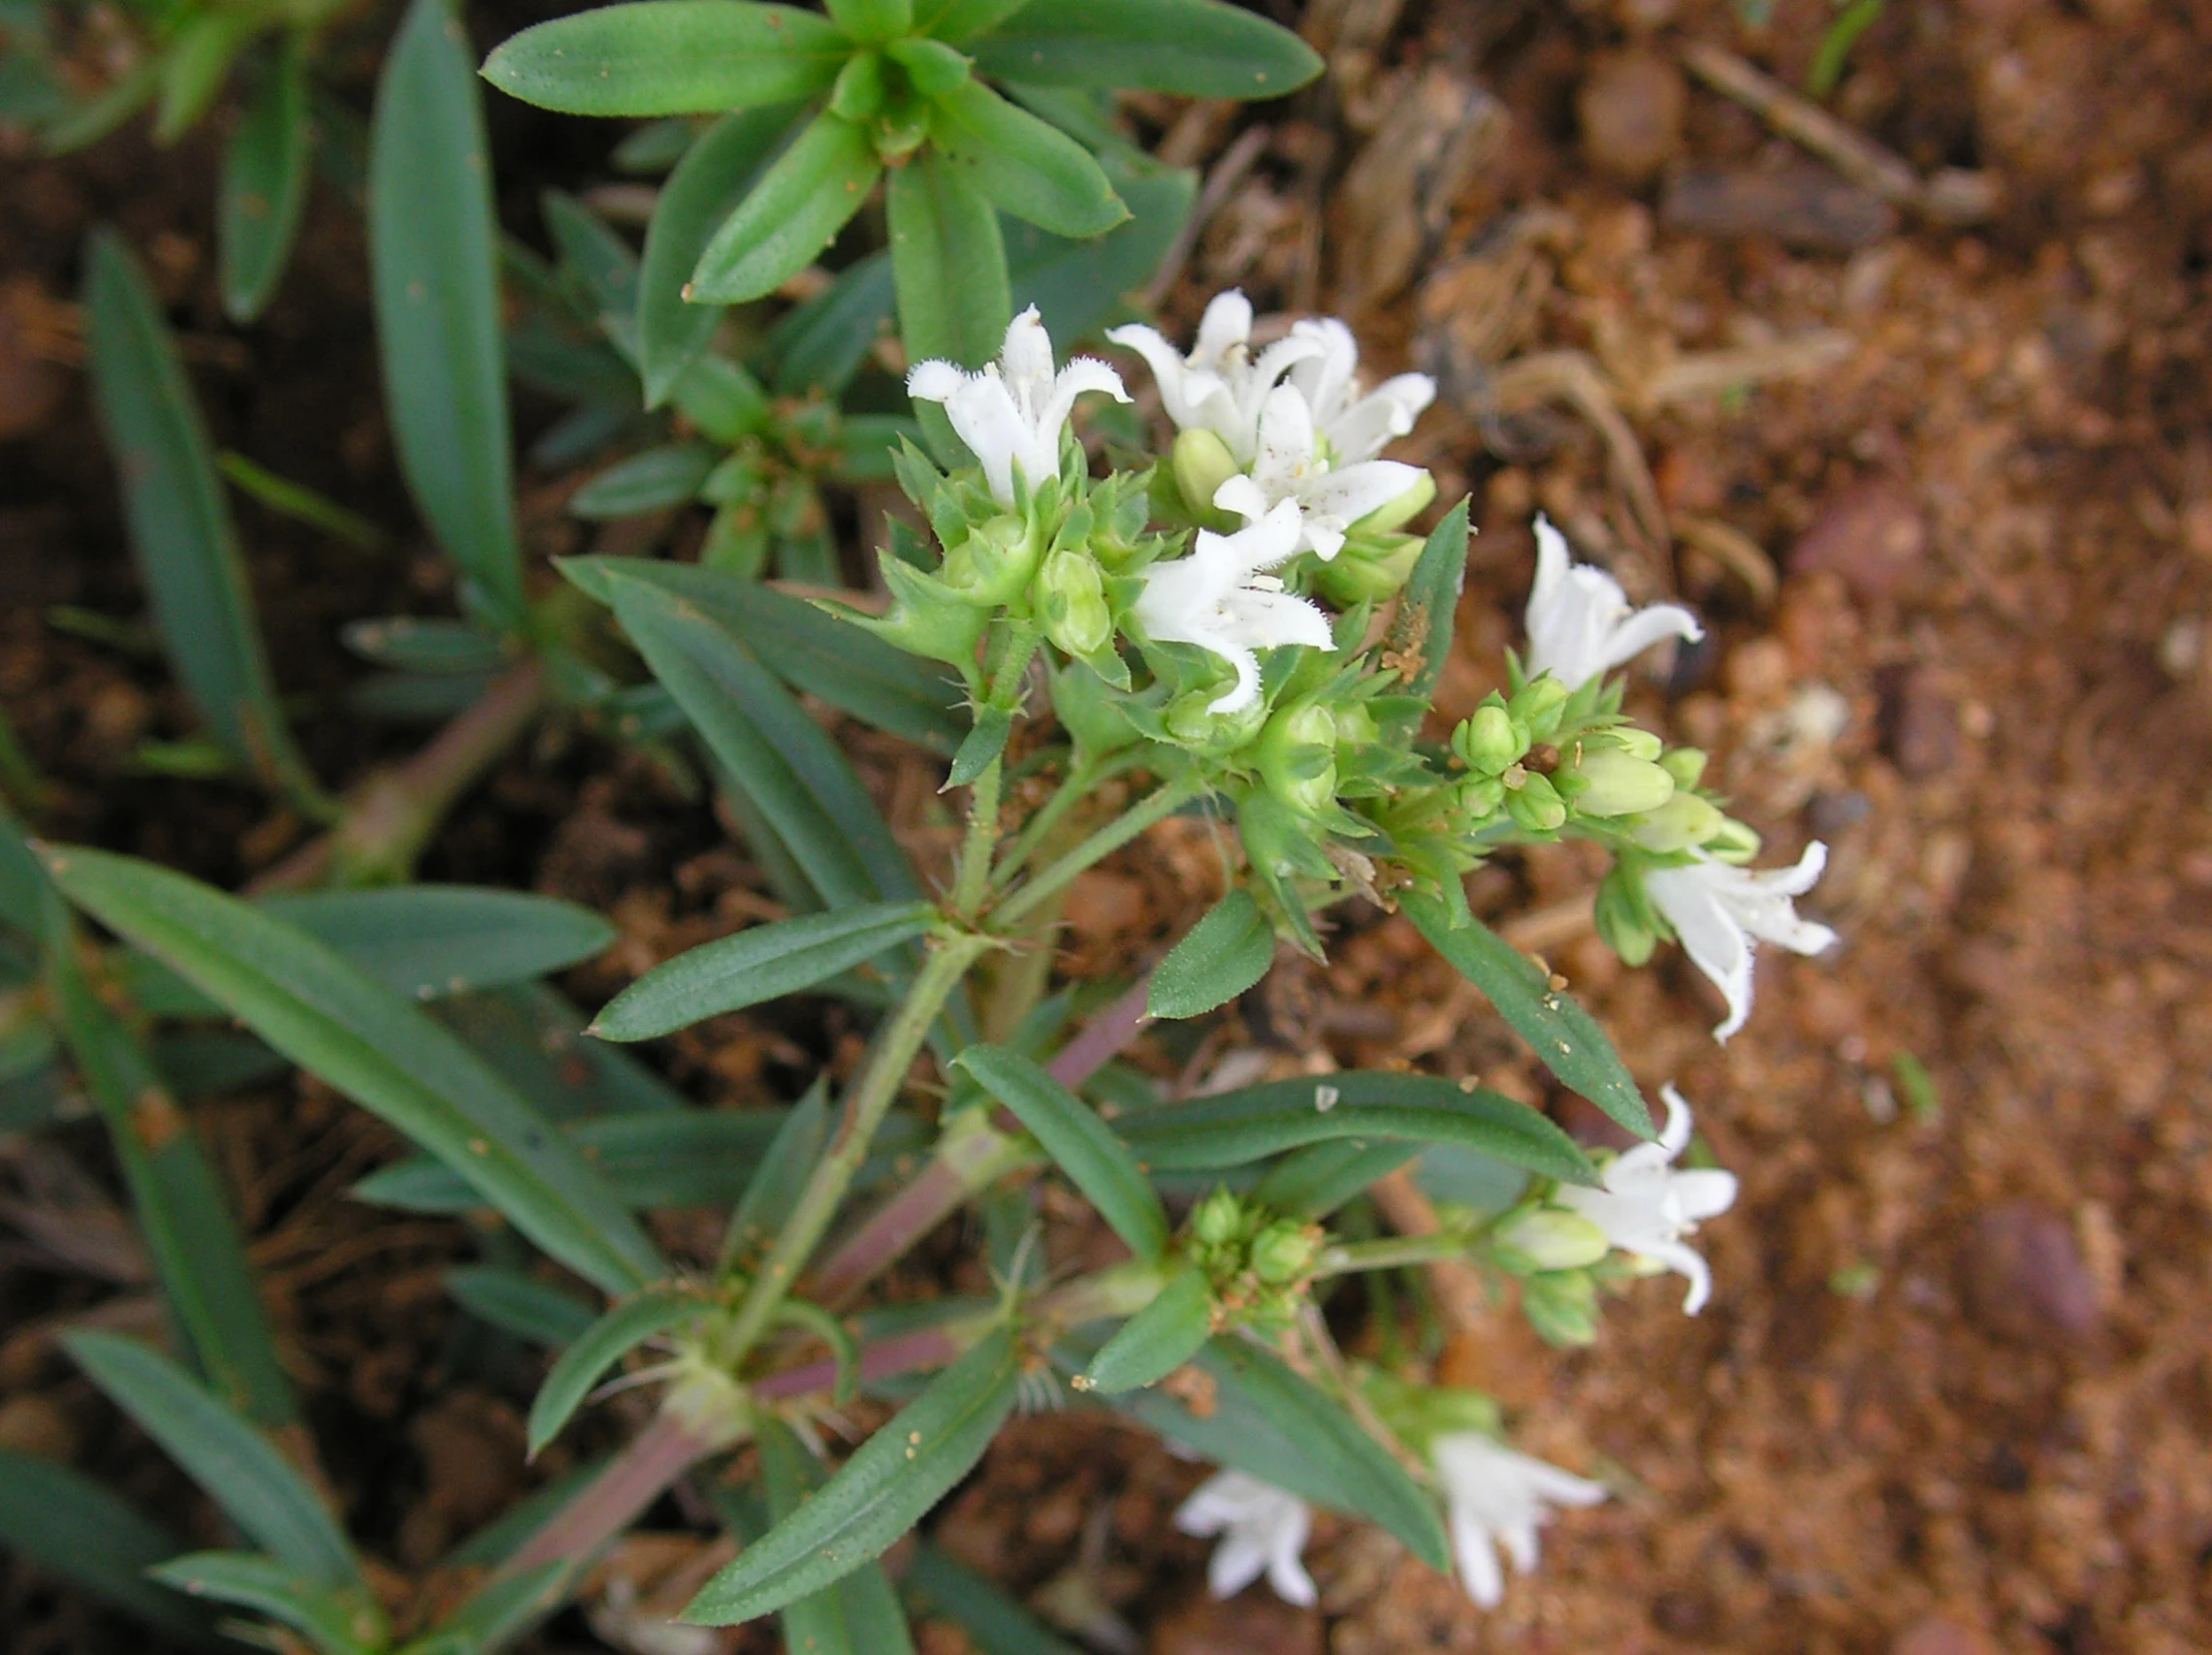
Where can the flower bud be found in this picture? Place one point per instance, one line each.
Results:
(1488, 741)
(1355, 727)
(1683, 821)
(1403, 509)
(1368, 572)
(1624, 921)
(1480, 795)
(1685, 763)
(1218, 1217)
(1297, 756)
(1562, 1306)
(1071, 601)
(1283, 1251)
(1609, 782)
(1552, 1238)
(993, 563)
(1538, 705)
(1631, 740)
(1535, 805)
(1201, 463)
(1191, 722)
(1731, 842)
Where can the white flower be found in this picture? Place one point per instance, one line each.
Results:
(1219, 599)
(1579, 620)
(1646, 1208)
(1261, 1527)
(1496, 1498)
(1011, 412)
(1290, 467)
(1354, 426)
(1219, 386)
(1719, 912)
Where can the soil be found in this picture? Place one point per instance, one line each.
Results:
(1953, 1391)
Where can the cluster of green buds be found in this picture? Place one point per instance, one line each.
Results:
(1256, 1263)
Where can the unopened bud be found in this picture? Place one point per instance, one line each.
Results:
(857, 91)
(1681, 823)
(1403, 509)
(1537, 706)
(1636, 741)
(1191, 722)
(1535, 805)
(1201, 463)
(1218, 1218)
(1552, 1238)
(1297, 756)
(1283, 1251)
(1562, 1306)
(1685, 763)
(1609, 782)
(1071, 601)
(1488, 741)
(1368, 572)
(1480, 795)
(1731, 842)
(993, 563)
(1624, 918)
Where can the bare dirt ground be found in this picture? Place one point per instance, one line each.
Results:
(1931, 448)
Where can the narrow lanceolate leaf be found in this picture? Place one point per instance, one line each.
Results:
(1078, 286)
(302, 997)
(772, 1193)
(858, 1615)
(519, 1304)
(264, 183)
(801, 204)
(819, 345)
(1314, 1181)
(237, 1467)
(1220, 957)
(981, 746)
(1420, 636)
(788, 766)
(650, 482)
(950, 262)
(1200, 48)
(1098, 1162)
(1555, 1026)
(1236, 1127)
(181, 527)
(941, 1588)
(434, 263)
(705, 189)
(762, 963)
(335, 1620)
(1023, 166)
(63, 1522)
(669, 57)
(872, 20)
(1157, 1340)
(428, 941)
(877, 1494)
(598, 1348)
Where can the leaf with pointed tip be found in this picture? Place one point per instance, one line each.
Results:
(338, 1621)
(264, 183)
(429, 941)
(772, 1193)
(1158, 1339)
(983, 743)
(519, 1304)
(807, 194)
(671, 475)
(669, 57)
(949, 258)
(1078, 286)
(1022, 164)
(858, 1615)
(819, 345)
(1218, 959)
(1314, 1181)
(1420, 637)
(940, 1587)
(598, 1348)
(1199, 48)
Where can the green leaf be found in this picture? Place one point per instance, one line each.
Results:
(410, 643)
(237, 1467)
(534, 1037)
(195, 63)
(787, 765)
(815, 653)
(772, 1193)
(434, 268)
(982, 745)
(950, 264)
(940, 1586)
(705, 189)
(1157, 1340)
(306, 1000)
(500, 1608)
(1314, 1181)
(858, 1615)
(821, 344)
(428, 941)
(1199, 48)
(876, 1495)
(63, 1522)
(1218, 959)
(1078, 286)
(264, 184)
(519, 1304)
(1555, 1026)
(1234, 1128)
(669, 57)
(181, 527)
(201, 1063)
(1098, 1163)
(763, 962)
(1270, 1422)
(593, 255)
(598, 1348)
(805, 198)
(958, 20)
(1023, 166)
(337, 1621)
(1419, 641)
(650, 482)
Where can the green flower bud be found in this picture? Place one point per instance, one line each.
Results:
(1403, 509)
(1284, 1251)
(1201, 463)
(1637, 743)
(1368, 572)
(1551, 1239)
(1625, 920)
(1192, 723)
(1562, 1306)
(1218, 1219)
(1685, 763)
(1537, 706)
(1681, 823)
(992, 565)
(1489, 742)
(1071, 601)
(1297, 756)
(1731, 842)
(1355, 727)
(1480, 795)
(1609, 782)
(1535, 805)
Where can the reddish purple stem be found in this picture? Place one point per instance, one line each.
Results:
(902, 1353)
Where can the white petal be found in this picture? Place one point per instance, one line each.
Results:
(1226, 325)
(1520, 1542)
(1262, 544)
(1648, 626)
(1710, 934)
(1237, 1561)
(1247, 690)
(1270, 620)
(1563, 1488)
(1350, 493)
(1027, 357)
(1704, 1192)
(1685, 1261)
(1286, 441)
(983, 413)
(1478, 1571)
(1082, 373)
(1674, 1137)
(1243, 498)
(934, 380)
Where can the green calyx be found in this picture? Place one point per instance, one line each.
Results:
(1296, 753)
(991, 565)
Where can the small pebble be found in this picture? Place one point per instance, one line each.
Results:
(2026, 1279)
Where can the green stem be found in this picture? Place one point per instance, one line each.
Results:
(1078, 784)
(970, 883)
(1108, 840)
(1391, 1251)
